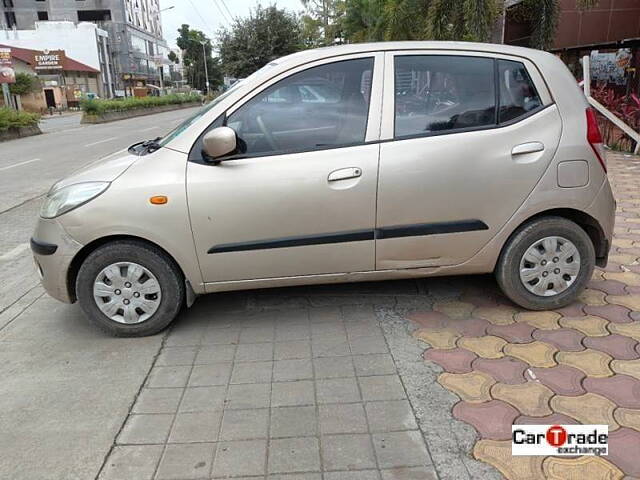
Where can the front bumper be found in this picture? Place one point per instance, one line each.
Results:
(53, 251)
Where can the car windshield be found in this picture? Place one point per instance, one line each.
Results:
(195, 117)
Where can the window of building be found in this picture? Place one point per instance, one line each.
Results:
(518, 95)
(94, 15)
(324, 106)
(43, 15)
(8, 3)
(10, 19)
(436, 93)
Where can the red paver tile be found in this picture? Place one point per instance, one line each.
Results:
(457, 360)
(480, 300)
(492, 419)
(566, 339)
(618, 346)
(470, 327)
(429, 319)
(515, 333)
(622, 452)
(553, 419)
(505, 370)
(620, 389)
(574, 310)
(613, 313)
(562, 379)
(610, 287)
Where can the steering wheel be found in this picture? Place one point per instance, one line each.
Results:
(267, 134)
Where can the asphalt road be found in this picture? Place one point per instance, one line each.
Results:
(28, 168)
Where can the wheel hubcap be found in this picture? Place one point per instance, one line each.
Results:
(127, 292)
(549, 266)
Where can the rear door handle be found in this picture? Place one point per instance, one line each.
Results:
(344, 174)
(531, 147)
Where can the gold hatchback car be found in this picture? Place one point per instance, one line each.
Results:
(343, 164)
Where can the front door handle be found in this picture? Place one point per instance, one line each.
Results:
(344, 174)
(531, 147)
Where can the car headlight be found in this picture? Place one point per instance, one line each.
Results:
(67, 198)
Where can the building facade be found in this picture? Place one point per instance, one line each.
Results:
(136, 47)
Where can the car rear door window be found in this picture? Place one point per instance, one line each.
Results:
(321, 107)
(443, 93)
(518, 94)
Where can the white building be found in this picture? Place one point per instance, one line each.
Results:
(84, 42)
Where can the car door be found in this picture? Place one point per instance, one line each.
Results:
(466, 138)
(298, 197)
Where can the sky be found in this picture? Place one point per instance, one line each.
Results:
(206, 15)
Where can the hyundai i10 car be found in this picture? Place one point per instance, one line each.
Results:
(350, 163)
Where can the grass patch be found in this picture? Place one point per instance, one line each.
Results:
(99, 106)
(10, 118)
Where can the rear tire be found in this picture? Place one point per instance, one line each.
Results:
(529, 282)
(107, 268)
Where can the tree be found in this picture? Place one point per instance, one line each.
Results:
(25, 84)
(190, 41)
(173, 57)
(252, 42)
(322, 23)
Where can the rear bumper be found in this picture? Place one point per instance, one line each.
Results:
(53, 251)
(603, 209)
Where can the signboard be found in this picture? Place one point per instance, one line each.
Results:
(610, 67)
(7, 73)
(49, 60)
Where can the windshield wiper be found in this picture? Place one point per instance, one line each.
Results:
(151, 145)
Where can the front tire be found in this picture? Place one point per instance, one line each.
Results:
(546, 264)
(130, 288)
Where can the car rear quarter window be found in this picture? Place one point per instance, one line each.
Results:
(443, 93)
(518, 94)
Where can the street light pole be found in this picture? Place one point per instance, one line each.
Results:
(206, 70)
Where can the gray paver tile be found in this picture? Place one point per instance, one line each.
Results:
(384, 387)
(300, 454)
(295, 476)
(337, 390)
(208, 375)
(292, 393)
(254, 352)
(289, 370)
(342, 418)
(363, 329)
(333, 367)
(163, 377)
(293, 422)
(253, 395)
(252, 372)
(245, 424)
(330, 347)
(215, 354)
(183, 337)
(202, 399)
(366, 345)
(257, 334)
(286, 333)
(292, 350)
(400, 449)
(132, 461)
(374, 364)
(145, 429)
(390, 416)
(221, 336)
(196, 427)
(245, 457)
(328, 329)
(347, 452)
(353, 475)
(171, 356)
(192, 461)
(324, 314)
(158, 400)
(351, 313)
(415, 473)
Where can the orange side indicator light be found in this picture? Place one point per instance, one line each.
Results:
(159, 200)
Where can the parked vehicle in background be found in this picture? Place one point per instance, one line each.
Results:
(350, 163)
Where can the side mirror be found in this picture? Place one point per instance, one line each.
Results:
(219, 142)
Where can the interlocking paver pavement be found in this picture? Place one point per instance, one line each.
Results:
(394, 380)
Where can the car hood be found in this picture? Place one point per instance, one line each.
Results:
(105, 169)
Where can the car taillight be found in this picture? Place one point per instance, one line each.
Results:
(594, 137)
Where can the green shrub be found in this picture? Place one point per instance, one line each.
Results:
(10, 118)
(100, 106)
